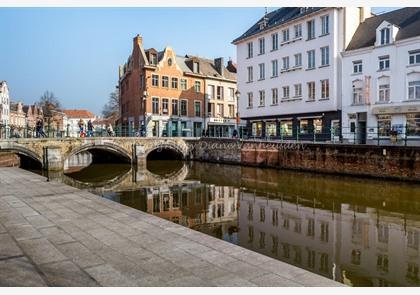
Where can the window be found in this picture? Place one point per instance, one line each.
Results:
(325, 89)
(357, 67)
(184, 107)
(262, 214)
(231, 111)
(274, 68)
(197, 109)
(286, 128)
(384, 125)
(325, 56)
(274, 41)
(262, 97)
(220, 92)
(304, 127)
(261, 43)
(250, 99)
(155, 105)
(174, 107)
(210, 91)
(384, 63)
(274, 96)
(175, 83)
(325, 25)
(311, 91)
(165, 106)
(384, 93)
(311, 228)
(155, 80)
(165, 81)
(324, 232)
(183, 84)
(262, 71)
(317, 126)
(285, 63)
(285, 35)
(196, 67)
(220, 110)
(197, 86)
(153, 59)
(250, 74)
(210, 109)
(270, 129)
(250, 49)
(385, 36)
(286, 92)
(413, 124)
(231, 93)
(311, 59)
(357, 95)
(414, 57)
(298, 90)
(311, 29)
(382, 262)
(298, 31)
(298, 60)
(414, 90)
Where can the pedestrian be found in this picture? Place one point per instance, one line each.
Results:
(41, 129)
(235, 133)
(110, 130)
(90, 129)
(81, 128)
(37, 128)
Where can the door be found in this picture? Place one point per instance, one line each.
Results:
(361, 132)
(335, 130)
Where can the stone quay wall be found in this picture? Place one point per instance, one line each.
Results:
(391, 162)
(9, 160)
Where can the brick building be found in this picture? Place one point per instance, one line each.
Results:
(163, 94)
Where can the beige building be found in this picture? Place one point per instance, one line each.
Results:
(17, 120)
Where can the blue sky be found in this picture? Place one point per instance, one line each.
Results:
(75, 52)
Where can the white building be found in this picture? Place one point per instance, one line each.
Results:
(4, 109)
(73, 117)
(289, 68)
(381, 79)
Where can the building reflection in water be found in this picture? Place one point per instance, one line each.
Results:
(360, 233)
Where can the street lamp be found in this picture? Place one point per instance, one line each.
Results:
(237, 94)
(143, 127)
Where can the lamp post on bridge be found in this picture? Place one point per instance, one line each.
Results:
(237, 94)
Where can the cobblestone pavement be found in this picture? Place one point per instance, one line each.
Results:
(52, 234)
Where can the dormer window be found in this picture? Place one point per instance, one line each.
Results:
(385, 36)
(196, 67)
(153, 59)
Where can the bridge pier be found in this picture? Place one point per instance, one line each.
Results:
(52, 158)
(139, 156)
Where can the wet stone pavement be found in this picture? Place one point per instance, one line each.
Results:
(52, 234)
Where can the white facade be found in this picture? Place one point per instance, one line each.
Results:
(72, 125)
(318, 70)
(376, 95)
(4, 104)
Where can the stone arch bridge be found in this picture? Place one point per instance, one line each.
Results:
(51, 153)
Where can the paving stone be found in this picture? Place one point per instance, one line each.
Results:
(19, 272)
(23, 231)
(56, 235)
(232, 281)
(80, 255)
(26, 211)
(66, 274)
(11, 217)
(273, 280)
(313, 280)
(108, 276)
(39, 221)
(41, 251)
(8, 247)
(188, 281)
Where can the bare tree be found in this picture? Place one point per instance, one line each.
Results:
(112, 108)
(49, 100)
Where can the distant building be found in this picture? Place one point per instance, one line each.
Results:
(4, 109)
(381, 78)
(73, 117)
(163, 94)
(33, 114)
(17, 120)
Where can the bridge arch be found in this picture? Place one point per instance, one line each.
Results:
(24, 153)
(109, 147)
(167, 150)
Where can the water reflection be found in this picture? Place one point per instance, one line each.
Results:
(359, 232)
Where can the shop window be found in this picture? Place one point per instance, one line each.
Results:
(355, 257)
(304, 127)
(270, 129)
(257, 129)
(286, 128)
(413, 124)
(318, 126)
(384, 125)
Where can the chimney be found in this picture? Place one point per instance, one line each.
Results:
(138, 40)
(218, 64)
(231, 67)
(364, 13)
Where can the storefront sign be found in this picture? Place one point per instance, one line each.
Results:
(396, 109)
(222, 120)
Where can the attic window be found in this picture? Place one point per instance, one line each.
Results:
(196, 67)
(385, 36)
(153, 59)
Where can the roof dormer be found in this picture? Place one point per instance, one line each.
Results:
(386, 33)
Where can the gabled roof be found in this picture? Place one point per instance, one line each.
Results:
(207, 67)
(406, 19)
(276, 18)
(81, 114)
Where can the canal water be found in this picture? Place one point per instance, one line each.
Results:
(357, 231)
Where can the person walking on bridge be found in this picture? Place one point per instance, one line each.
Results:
(90, 129)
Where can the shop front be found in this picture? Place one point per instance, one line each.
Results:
(221, 127)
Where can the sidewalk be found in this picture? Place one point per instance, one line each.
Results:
(52, 234)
